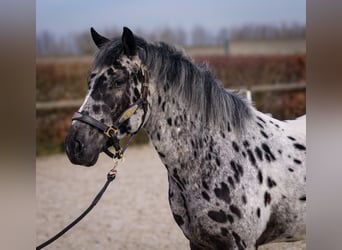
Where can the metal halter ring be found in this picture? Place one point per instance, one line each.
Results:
(109, 130)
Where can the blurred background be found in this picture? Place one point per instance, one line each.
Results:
(259, 47)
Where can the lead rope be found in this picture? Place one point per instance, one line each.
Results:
(110, 177)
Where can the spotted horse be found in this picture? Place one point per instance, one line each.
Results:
(236, 176)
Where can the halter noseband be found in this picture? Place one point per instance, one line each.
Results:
(112, 131)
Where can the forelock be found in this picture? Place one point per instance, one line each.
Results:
(108, 54)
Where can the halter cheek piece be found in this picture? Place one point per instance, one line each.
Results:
(112, 131)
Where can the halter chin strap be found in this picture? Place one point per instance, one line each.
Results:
(112, 131)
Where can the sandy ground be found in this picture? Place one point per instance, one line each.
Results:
(133, 214)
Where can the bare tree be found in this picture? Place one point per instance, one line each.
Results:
(223, 36)
(200, 36)
(84, 43)
(112, 32)
(255, 32)
(45, 44)
(48, 45)
(180, 36)
(166, 35)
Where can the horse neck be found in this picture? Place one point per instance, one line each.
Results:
(178, 135)
(175, 126)
(170, 125)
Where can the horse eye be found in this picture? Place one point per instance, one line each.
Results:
(116, 83)
(119, 82)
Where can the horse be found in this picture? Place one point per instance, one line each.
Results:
(236, 176)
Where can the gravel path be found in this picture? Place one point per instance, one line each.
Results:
(134, 212)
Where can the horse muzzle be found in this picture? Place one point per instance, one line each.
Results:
(79, 150)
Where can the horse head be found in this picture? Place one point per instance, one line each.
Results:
(117, 97)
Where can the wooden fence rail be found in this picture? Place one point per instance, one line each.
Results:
(275, 87)
(58, 104)
(253, 89)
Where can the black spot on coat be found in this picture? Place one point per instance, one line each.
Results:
(161, 155)
(268, 154)
(271, 183)
(224, 231)
(222, 134)
(229, 128)
(260, 125)
(236, 171)
(251, 157)
(205, 185)
(267, 198)
(299, 146)
(218, 161)
(195, 154)
(244, 199)
(205, 195)
(246, 143)
(264, 134)
(105, 108)
(136, 93)
(179, 220)
(297, 161)
(223, 193)
(261, 119)
(260, 178)
(178, 179)
(258, 153)
(235, 210)
(230, 218)
(302, 198)
(231, 182)
(218, 216)
(235, 147)
(96, 109)
(238, 241)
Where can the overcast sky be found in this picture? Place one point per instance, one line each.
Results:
(63, 17)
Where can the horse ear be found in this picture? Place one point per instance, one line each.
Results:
(97, 38)
(128, 41)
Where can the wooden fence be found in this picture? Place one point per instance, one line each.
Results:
(248, 90)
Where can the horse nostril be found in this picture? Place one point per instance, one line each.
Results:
(77, 146)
